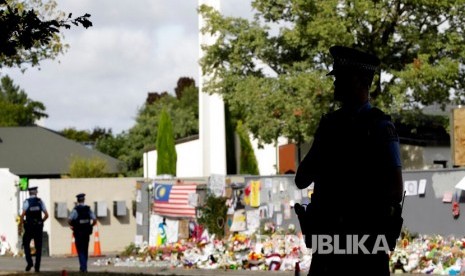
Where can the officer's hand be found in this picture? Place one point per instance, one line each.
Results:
(299, 209)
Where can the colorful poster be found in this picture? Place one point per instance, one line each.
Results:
(239, 221)
(255, 193)
(161, 236)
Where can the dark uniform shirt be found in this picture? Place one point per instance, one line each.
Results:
(34, 206)
(353, 152)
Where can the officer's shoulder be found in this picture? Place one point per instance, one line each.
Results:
(333, 115)
(378, 114)
(385, 126)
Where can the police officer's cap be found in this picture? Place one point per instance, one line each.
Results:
(32, 189)
(81, 195)
(350, 59)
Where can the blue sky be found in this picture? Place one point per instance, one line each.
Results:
(133, 48)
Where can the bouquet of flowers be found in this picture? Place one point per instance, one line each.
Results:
(255, 258)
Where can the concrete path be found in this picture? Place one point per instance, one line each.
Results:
(56, 265)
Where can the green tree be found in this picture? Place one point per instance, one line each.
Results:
(248, 162)
(112, 145)
(142, 136)
(86, 135)
(88, 168)
(76, 135)
(231, 162)
(271, 70)
(166, 151)
(16, 109)
(30, 31)
(183, 82)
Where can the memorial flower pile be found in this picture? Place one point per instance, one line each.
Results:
(426, 254)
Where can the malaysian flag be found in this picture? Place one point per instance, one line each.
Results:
(173, 200)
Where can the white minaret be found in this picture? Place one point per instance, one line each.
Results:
(212, 133)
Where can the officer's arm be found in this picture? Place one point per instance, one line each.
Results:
(71, 217)
(398, 185)
(93, 218)
(304, 176)
(23, 214)
(394, 176)
(44, 210)
(21, 217)
(45, 215)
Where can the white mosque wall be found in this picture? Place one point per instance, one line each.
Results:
(10, 211)
(189, 163)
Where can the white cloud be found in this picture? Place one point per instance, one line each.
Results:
(134, 47)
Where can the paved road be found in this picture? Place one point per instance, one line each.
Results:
(55, 266)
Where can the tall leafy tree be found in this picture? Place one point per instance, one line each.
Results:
(16, 108)
(248, 161)
(30, 31)
(142, 136)
(113, 145)
(166, 151)
(271, 70)
(183, 82)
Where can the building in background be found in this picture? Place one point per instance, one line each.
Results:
(37, 152)
(111, 199)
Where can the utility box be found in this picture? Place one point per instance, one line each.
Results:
(119, 208)
(61, 210)
(100, 209)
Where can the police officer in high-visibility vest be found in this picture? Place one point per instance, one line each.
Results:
(33, 207)
(354, 162)
(82, 220)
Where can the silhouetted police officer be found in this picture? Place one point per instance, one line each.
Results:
(33, 207)
(355, 165)
(82, 220)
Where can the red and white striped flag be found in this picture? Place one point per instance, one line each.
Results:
(173, 200)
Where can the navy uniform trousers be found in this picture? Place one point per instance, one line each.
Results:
(82, 246)
(33, 232)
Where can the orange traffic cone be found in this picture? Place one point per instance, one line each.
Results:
(73, 246)
(97, 250)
